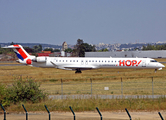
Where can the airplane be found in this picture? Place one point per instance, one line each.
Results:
(83, 63)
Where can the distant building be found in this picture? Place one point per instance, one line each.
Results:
(43, 54)
(64, 46)
(46, 51)
(55, 54)
(130, 54)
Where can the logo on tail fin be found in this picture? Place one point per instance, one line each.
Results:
(19, 52)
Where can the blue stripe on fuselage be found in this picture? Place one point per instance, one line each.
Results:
(19, 56)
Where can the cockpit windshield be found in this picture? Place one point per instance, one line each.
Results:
(153, 61)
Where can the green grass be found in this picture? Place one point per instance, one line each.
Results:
(91, 104)
(50, 79)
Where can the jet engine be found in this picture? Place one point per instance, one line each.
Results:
(40, 59)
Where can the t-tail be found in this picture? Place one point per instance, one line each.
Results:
(23, 56)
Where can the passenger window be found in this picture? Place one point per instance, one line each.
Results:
(66, 60)
(70, 60)
(77, 60)
(73, 60)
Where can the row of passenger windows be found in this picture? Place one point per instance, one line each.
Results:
(67, 60)
(86, 61)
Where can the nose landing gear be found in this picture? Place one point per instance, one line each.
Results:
(155, 70)
(78, 71)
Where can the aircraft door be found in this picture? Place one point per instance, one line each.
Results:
(143, 63)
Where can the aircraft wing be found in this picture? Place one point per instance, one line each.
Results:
(74, 67)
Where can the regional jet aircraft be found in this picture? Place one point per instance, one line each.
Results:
(83, 63)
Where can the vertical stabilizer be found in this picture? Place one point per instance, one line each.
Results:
(22, 55)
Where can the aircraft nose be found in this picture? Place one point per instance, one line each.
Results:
(162, 65)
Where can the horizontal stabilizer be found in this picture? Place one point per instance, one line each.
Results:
(11, 46)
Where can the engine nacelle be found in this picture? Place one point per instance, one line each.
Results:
(40, 59)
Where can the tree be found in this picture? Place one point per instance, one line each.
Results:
(89, 48)
(49, 49)
(154, 47)
(37, 48)
(40, 47)
(12, 43)
(69, 50)
(103, 50)
(56, 50)
(80, 48)
(29, 50)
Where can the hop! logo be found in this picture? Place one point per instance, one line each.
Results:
(129, 63)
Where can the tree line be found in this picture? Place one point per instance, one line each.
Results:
(154, 47)
(79, 49)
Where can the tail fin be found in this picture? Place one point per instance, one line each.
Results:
(20, 52)
(23, 56)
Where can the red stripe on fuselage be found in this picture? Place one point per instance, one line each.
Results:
(21, 52)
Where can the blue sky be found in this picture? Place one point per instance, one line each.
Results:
(94, 21)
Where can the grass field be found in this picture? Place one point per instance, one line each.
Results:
(50, 77)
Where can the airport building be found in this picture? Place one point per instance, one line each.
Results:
(130, 54)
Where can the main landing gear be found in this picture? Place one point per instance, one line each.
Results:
(78, 71)
(155, 70)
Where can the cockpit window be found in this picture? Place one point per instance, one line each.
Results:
(153, 61)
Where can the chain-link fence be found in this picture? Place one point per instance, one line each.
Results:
(120, 88)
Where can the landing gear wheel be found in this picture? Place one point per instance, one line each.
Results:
(78, 71)
(155, 70)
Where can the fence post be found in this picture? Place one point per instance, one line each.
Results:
(91, 87)
(25, 111)
(160, 116)
(152, 89)
(128, 113)
(4, 112)
(72, 112)
(48, 112)
(61, 89)
(121, 87)
(99, 113)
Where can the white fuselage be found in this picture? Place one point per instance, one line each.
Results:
(83, 63)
